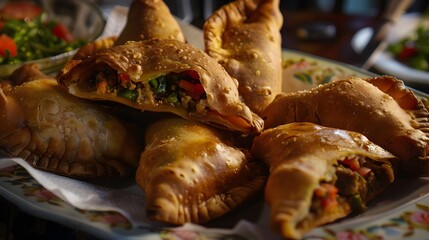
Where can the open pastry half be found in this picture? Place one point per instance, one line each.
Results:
(162, 75)
(319, 174)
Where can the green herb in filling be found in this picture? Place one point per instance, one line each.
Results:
(129, 94)
(357, 204)
(172, 98)
(159, 84)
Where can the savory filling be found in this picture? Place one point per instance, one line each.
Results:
(179, 89)
(355, 182)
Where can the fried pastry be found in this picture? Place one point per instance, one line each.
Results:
(26, 73)
(162, 75)
(244, 37)
(60, 133)
(381, 108)
(319, 174)
(191, 172)
(149, 19)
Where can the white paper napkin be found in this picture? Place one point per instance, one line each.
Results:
(127, 201)
(86, 196)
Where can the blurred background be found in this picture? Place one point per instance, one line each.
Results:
(196, 11)
(324, 28)
(346, 17)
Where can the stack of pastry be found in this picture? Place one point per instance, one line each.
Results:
(314, 166)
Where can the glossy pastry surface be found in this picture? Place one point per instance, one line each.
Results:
(162, 76)
(148, 19)
(244, 37)
(60, 133)
(191, 172)
(381, 108)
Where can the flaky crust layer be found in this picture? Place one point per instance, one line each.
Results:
(146, 60)
(381, 108)
(191, 172)
(301, 156)
(244, 36)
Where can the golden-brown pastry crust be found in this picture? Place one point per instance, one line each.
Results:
(26, 73)
(191, 172)
(148, 19)
(303, 156)
(57, 132)
(381, 108)
(244, 36)
(146, 60)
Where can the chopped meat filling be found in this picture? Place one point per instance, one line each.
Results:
(180, 89)
(355, 182)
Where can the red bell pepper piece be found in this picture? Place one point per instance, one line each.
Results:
(62, 32)
(7, 44)
(352, 163)
(327, 193)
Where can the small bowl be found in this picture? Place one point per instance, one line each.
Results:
(82, 18)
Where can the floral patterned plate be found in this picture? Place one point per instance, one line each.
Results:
(302, 71)
(401, 212)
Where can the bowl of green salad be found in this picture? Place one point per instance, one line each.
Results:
(413, 48)
(406, 55)
(45, 32)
